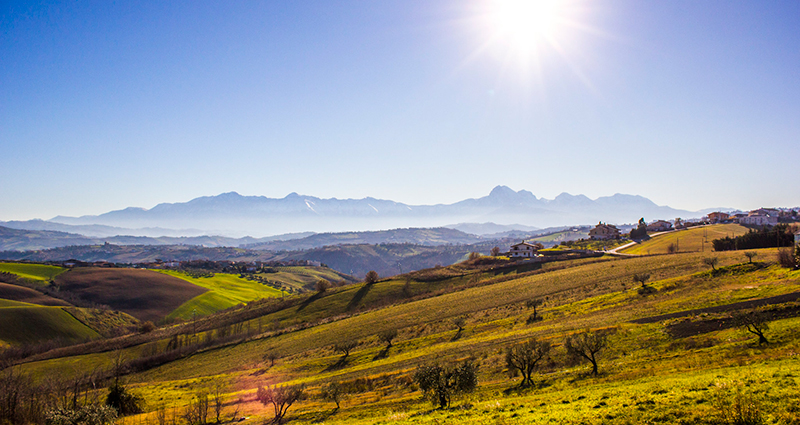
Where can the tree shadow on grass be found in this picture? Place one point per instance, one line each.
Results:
(456, 336)
(338, 365)
(309, 300)
(383, 353)
(358, 296)
(322, 416)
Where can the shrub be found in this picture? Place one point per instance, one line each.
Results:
(371, 277)
(786, 258)
(123, 400)
(735, 407)
(440, 383)
(92, 414)
(322, 285)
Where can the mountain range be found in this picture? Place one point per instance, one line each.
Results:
(233, 215)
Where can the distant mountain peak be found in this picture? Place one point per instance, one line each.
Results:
(502, 191)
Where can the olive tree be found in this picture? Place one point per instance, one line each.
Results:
(525, 358)
(754, 322)
(586, 345)
(281, 398)
(439, 383)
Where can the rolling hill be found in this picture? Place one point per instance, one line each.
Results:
(672, 349)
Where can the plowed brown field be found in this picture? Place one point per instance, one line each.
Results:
(143, 294)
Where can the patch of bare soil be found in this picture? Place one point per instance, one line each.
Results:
(28, 295)
(144, 294)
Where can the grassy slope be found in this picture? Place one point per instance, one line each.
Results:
(300, 276)
(647, 377)
(38, 272)
(689, 240)
(224, 291)
(32, 324)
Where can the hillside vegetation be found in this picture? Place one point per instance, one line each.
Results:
(37, 272)
(673, 352)
(224, 290)
(693, 239)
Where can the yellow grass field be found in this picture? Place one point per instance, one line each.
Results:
(694, 239)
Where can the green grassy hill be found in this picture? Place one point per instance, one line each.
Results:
(682, 368)
(29, 324)
(224, 291)
(693, 239)
(37, 272)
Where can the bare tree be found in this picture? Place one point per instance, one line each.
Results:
(750, 255)
(281, 398)
(525, 357)
(754, 322)
(495, 251)
(712, 262)
(586, 345)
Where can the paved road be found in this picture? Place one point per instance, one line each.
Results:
(616, 250)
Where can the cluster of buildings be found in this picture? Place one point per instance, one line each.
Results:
(759, 217)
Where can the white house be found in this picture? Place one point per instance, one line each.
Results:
(759, 220)
(523, 250)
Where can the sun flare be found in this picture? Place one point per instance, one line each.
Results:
(525, 24)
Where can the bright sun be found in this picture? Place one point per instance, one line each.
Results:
(525, 24)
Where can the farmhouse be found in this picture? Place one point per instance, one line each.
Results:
(523, 250)
(659, 226)
(759, 218)
(717, 217)
(604, 231)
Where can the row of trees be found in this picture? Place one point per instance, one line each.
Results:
(780, 235)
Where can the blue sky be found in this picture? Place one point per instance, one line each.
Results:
(107, 105)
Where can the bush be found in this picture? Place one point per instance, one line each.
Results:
(735, 407)
(371, 277)
(93, 414)
(123, 400)
(786, 258)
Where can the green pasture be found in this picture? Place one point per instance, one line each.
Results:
(693, 239)
(224, 291)
(38, 272)
(32, 324)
